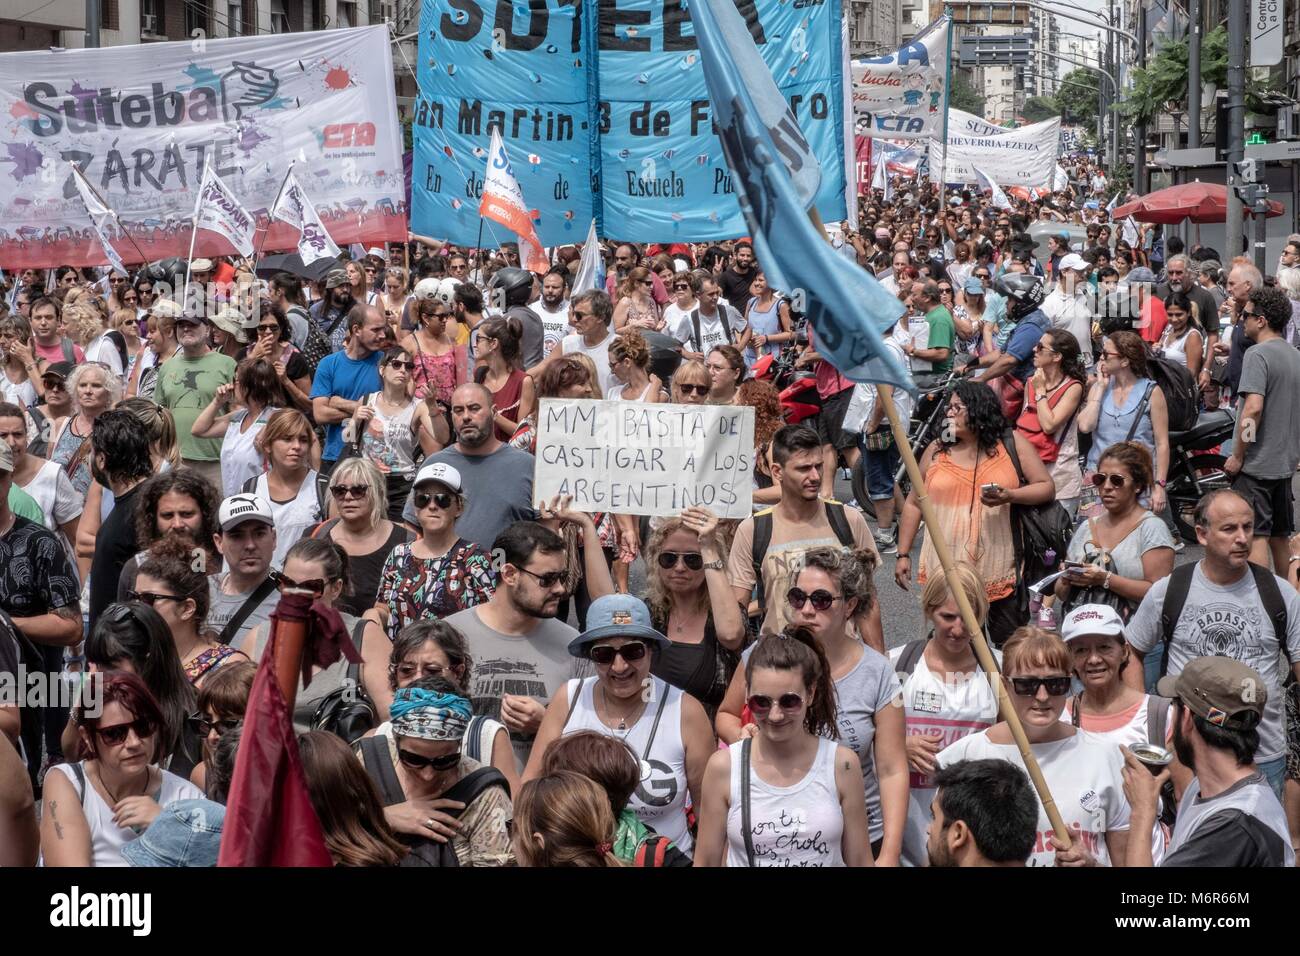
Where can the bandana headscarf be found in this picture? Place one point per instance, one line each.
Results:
(427, 715)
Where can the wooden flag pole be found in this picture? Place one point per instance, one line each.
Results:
(289, 640)
(986, 659)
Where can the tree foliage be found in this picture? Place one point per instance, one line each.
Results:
(964, 97)
(1077, 96)
(1039, 108)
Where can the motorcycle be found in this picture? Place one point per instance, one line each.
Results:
(798, 387)
(1195, 468)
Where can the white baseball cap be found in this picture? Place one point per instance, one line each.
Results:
(1092, 619)
(1073, 261)
(237, 509)
(426, 288)
(440, 472)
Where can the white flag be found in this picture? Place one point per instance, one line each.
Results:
(100, 217)
(295, 207)
(1000, 200)
(503, 202)
(1060, 180)
(591, 268)
(218, 209)
(1130, 231)
(1110, 206)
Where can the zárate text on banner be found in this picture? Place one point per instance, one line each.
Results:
(603, 109)
(141, 121)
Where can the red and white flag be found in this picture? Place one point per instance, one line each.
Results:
(218, 209)
(295, 207)
(503, 202)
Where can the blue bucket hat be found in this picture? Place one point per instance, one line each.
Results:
(617, 615)
(973, 286)
(185, 833)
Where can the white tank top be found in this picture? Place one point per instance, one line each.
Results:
(293, 518)
(388, 440)
(1176, 349)
(240, 459)
(660, 799)
(800, 825)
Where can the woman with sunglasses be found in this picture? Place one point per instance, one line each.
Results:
(726, 366)
(130, 325)
(168, 583)
(691, 602)
(786, 794)
(1082, 772)
(496, 353)
(1047, 417)
(223, 698)
(418, 768)
(94, 807)
(273, 342)
(971, 480)
(692, 383)
(1115, 558)
(629, 363)
(287, 445)
(440, 573)
(767, 314)
(832, 589)
(257, 395)
(440, 364)
(667, 729)
(685, 286)
(393, 430)
(636, 306)
(968, 316)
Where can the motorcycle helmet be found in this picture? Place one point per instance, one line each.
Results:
(515, 285)
(1024, 292)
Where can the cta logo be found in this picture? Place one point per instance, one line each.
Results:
(342, 135)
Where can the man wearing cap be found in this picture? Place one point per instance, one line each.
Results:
(57, 404)
(344, 378)
(1150, 311)
(196, 295)
(1229, 815)
(119, 449)
(1067, 306)
(187, 383)
(330, 313)
(245, 595)
(1224, 605)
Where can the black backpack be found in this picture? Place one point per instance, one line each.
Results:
(1179, 389)
(347, 711)
(763, 538)
(318, 344)
(1037, 529)
(1180, 584)
(695, 326)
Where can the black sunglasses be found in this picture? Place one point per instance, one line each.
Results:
(151, 597)
(401, 364)
(203, 726)
(115, 735)
(548, 580)
(821, 598)
(417, 762)
(349, 491)
(693, 560)
(604, 654)
(1115, 481)
(696, 389)
(760, 705)
(315, 585)
(1028, 686)
(442, 499)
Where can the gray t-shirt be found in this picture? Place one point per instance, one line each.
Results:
(224, 606)
(1272, 369)
(859, 694)
(498, 492)
(535, 666)
(1150, 533)
(1226, 622)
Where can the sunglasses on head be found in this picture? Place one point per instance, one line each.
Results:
(442, 499)
(693, 560)
(416, 762)
(695, 389)
(1028, 686)
(821, 599)
(203, 726)
(1115, 481)
(760, 705)
(604, 654)
(151, 597)
(349, 491)
(115, 735)
(315, 585)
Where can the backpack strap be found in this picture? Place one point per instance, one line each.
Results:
(1142, 407)
(573, 704)
(1157, 719)
(912, 652)
(726, 326)
(1180, 584)
(69, 353)
(762, 540)
(839, 523)
(471, 786)
(473, 746)
(260, 594)
(745, 828)
(1270, 595)
(654, 728)
(374, 753)
(1009, 443)
(354, 667)
(249, 487)
(80, 774)
(323, 529)
(651, 851)
(695, 323)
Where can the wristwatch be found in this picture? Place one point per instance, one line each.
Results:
(714, 565)
(1161, 482)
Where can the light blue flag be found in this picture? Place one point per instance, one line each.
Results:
(776, 177)
(591, 267)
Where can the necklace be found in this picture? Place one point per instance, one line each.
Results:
(622, 720)
(113, 797)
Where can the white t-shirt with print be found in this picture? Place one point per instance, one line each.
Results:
(1083, 773)
(555, 324)
(711, 331)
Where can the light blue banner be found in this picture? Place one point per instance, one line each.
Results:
(623, 135)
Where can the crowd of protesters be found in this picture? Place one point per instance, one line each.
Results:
(540, 686)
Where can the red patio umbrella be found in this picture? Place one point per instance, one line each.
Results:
(1199, 202)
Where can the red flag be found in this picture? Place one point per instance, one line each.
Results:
(269, 817)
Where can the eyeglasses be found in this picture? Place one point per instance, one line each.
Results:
(548, 580)
(315, 585)
(695, 389)
(417, 762)
(604, 654)
(116, 735)
(401, 365)
(1115, 481)
(1112, 356)
(151, 597)
(1040, 347)
(821, 599)
(1028, 686)
(693, 560)
(647, 282)
(203, 726)
(579, 316)
(981, 275)
(342, 492)
(442, 499)
(268, 329)
(145, 292)
(760, 705)
(408, 671)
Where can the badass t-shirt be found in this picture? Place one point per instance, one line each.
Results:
(1083, 774)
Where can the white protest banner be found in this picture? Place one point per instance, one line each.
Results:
(142, 121)
(643, 459)
(295, 207)
(218, 210)
(1025, 156)
(901, 95)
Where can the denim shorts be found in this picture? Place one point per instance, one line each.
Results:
(881, 467)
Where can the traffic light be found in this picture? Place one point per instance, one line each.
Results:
(1221, 129)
